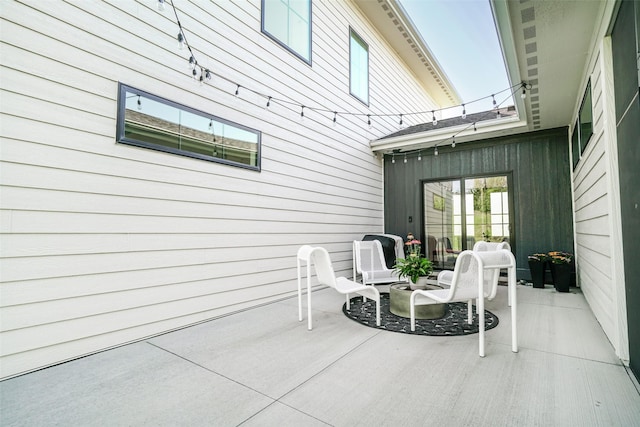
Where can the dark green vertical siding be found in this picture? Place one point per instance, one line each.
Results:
(626, 51)
(538, 164)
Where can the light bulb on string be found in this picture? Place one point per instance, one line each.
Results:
(419, 155)
(139, 103)
(453, 142)
(498, 115)
(400, 123)
(207, 74)
(237, 90)
(434, 121)
(335, 118)
(369, 120)
(435, 151)
(524, 92)
(210, 124)
(268, 102)
(464, 112)
(201, 78)
(393, 158)
(180, 41)
(192, 62)
(302, 113)
(194, 73)
(474, 127)
(405, 158)
(495, 105)
(160, 5)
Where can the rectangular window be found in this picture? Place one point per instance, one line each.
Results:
(575, 145)
(358, 67)
(288, 22)
(586, 118)
(583, 128)
(148, 121)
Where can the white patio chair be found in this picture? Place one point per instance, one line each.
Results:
(469, 283)
(369, 262)
(491, 280)
(326, 276)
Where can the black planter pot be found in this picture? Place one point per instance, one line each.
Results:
(561, 274)
(537, 273)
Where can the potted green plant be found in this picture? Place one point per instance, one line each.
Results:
(537, 267)
(561, 265)
(414, 265)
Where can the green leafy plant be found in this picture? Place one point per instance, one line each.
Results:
(413, 265)
(539, 257)
(557, 257)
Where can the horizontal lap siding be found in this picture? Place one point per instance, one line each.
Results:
(592, 217)
(104, 243)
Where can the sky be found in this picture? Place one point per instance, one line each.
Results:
(462, 36)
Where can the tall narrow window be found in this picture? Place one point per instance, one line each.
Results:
(288, 22)
(358, 67)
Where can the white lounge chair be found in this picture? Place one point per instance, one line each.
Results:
(326, 276)
(469, 283)
(369, 262)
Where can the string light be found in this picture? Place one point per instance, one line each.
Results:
(453, 142)
(207, 74)
(139, 103)
(474, 127)
(192, 62)
(435, 151)
(335, 118)
(405, 158)
(419, 155)
(302, 112)
(464, 112)
(195, 73)
(434, 121)
(494, 101)
(393, 158)
(180, 41)
(369, 120)
(237, 89)
(268, 102)
(161, 5)
(211, 124)
(400, 123)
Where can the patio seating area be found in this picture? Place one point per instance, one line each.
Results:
(262, 367)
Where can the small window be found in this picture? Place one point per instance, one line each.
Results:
(148, 121)
(575, 145)
(586, 118)
(358, 67)
(288, 22)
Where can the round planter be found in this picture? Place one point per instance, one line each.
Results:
(420, 284)
(399, 303)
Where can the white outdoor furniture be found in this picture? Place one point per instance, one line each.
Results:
(326, 276)
(468, 283)
(369, 262)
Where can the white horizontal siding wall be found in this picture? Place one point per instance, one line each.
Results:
(105, 243)
(598, 243)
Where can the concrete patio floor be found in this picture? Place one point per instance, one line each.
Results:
(261, 367)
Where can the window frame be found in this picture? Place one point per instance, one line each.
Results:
(581, 123)
(353, 35)
(578, 141)
(124, 90)
(283, 43)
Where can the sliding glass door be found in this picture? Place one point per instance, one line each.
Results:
(459, 212)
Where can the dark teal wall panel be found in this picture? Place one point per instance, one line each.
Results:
(541, 187)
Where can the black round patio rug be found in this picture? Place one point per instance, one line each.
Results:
(454, 322)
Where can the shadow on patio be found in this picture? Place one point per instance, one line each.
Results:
(261, 367)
